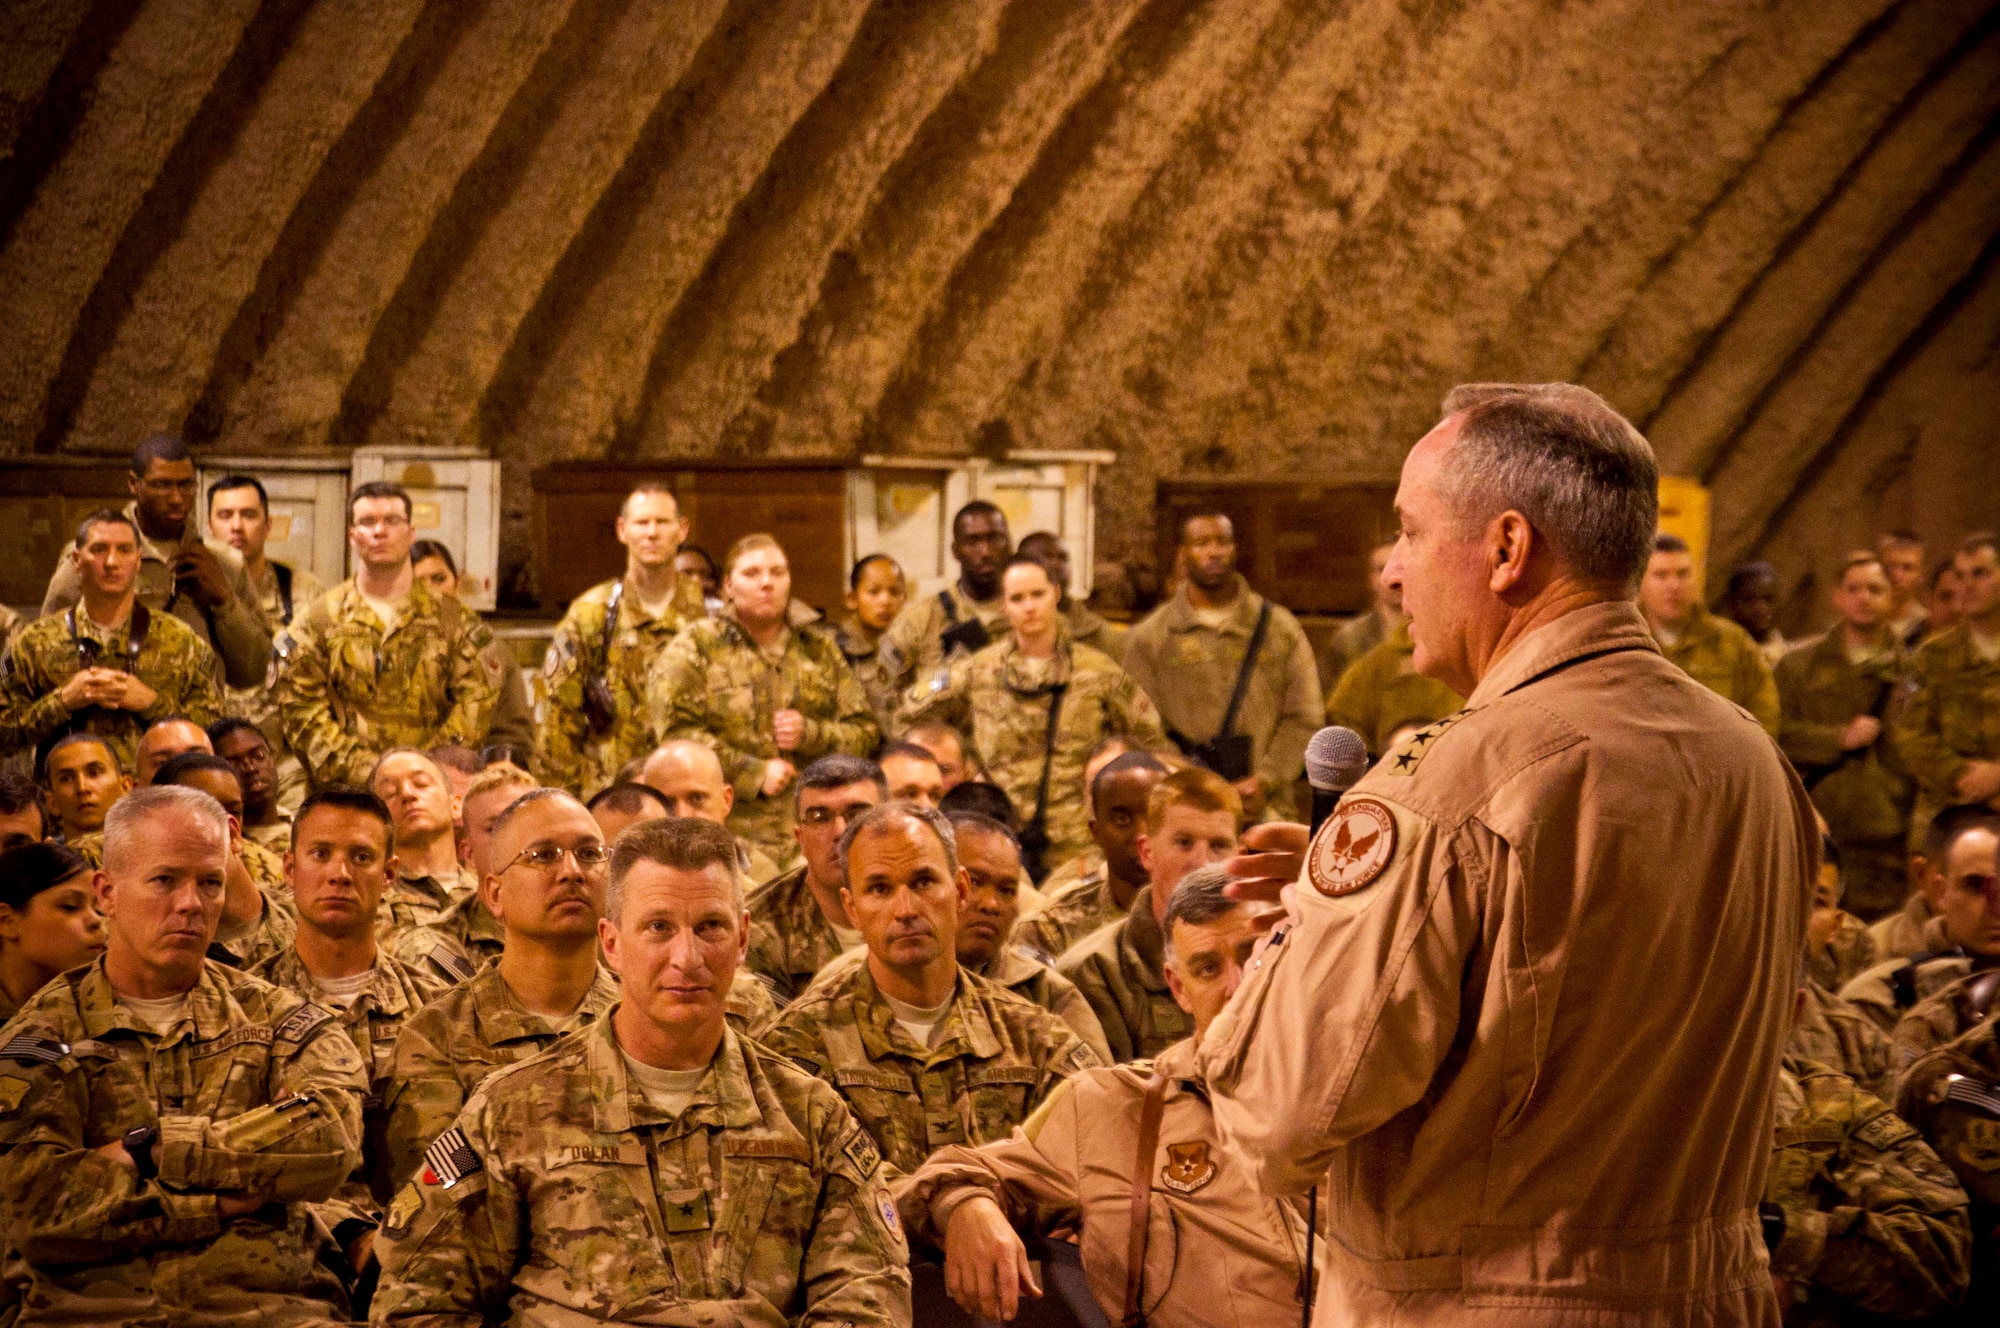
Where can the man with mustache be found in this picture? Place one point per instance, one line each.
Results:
(164, 1120)
(925, 1052)
(546, 888)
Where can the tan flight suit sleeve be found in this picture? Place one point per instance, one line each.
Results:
(1032, 1174)
(1344, 1023)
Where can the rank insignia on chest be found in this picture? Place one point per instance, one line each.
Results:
(1188, 1167)
(684, 1211)
(1352, 848)
(941, 1128)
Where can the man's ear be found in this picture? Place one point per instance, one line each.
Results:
(1512, 539)
(489, 895)
(1174, 988)
(607, 940)
(743, 937)
(728, 797)
(964, 886)
(1144, 845)
(100, 886)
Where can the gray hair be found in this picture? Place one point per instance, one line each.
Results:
(1585, 479)
(682, 843)
(1198, 899)
(887, 813)
(124, 824)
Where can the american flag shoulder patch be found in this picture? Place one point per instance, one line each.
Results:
(451, 1159)
(1971, 1093)
(451, 965)
(28, 1047)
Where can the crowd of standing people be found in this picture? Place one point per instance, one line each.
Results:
(346, 977)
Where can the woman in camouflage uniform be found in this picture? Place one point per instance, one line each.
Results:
(769, 698)
(876, 593)
(1005, 694)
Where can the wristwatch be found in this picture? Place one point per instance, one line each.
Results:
(139, 1143)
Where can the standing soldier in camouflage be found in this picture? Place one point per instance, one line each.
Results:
(1834, 696)
(595, 720)
(1714, 651)
(200, 582)
(876, 593)
(1362, 633)
(1948, 727)
(1902, 555)
(106, 664)
(239, 515)
(1859, 1213)
(925, 1053)
(934, 630)
(1036, 703)
(1953, 1096)
(547, 890)
(164, 1120)
(338, 873)
(512, 726)
(1750, 600)
(381, 660)
(765, 695)
(756, 1198)
(1192, 655)
(1085, 623)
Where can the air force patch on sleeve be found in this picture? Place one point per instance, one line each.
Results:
(1352, 848)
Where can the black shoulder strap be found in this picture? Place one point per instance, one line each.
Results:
(1048, 754)
(949, 606)
(135, 635)
(611, 603)
(1243, 673)
(284, 575)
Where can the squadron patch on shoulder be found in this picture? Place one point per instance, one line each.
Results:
(1352, 848)
(887, 1207)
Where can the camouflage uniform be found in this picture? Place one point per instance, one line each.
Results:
(412, 903)
(750, 1008)
(1121, 970)
(513, 721)
(1953, 1095)
(910, 649)
(237, 633)
(1885, 991)
(271, 934)
(1190, 668)
(1949, 715)
(1073, 911)
(865, 659)
(1873, 1220)
(447, 1049)
(567, 753)
(1942, 1017)
(256, 704)
(1021, 973)
(394, 993)
(1832, 1032)
(1000, 698)
(1088, 627)
(571, 1198)
(173, 662)
(465, 939)
(715, 686)
(1901, 933)
(1349, 642)
(349, 690)
(254, 1091)
(1719, 655)
(1382, 691)
(1848, 952)
(992, 1059)
(1862, 794)
(790, 938)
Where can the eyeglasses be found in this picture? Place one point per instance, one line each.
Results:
(818, 816)
(546, 857)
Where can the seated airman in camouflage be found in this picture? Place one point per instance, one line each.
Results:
(106, 664)
(163, 740)
(467, 937)
(382, 660)
(1839, 947)
(84, 778)
(926, 1053)
(245, 746)
(1835, 1034)
(1860, 1216)
(343, 855)
(688, 777)
(1965, 936)
(1096, 888)
(594, 719)
(1235, 1256)
(546, 888)
(258, 919)
(655, 1167)
(430, 880)
(798, 923)
(165, 1120)
(1947, 723)
(1192, 819)
(1952, 1094)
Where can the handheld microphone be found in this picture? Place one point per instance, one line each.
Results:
(1336, 758)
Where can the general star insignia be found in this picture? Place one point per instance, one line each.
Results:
(1352, 848)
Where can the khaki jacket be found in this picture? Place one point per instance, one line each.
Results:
(1530, 1055)
(1719, 655)
(1382, 691)
(1121, 970)
(237, 632)
(1190, 672)
(1218, 1254)
(576, 1201)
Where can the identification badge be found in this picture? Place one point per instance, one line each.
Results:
(685, 1210)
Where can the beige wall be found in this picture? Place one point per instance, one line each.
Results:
(1252, 239)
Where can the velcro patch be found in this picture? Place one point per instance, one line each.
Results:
(28, 1047)
(451, 1159)
(453, 966)
(301, 1022)
(409, 1201)
(1972, 1093)
(887, 1207)
(861, 1151)
(1352, 848)
(12, 1090)
(1885, 1132)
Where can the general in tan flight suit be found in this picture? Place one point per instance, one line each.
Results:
(1530, 1056)
(1217, 1251)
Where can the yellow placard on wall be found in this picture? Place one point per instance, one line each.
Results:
(1684, 512)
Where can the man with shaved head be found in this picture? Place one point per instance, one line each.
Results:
(467, 937)
(688, 775)
(164, 1119)
(545, 886)
(429, 877)
(170, 737)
